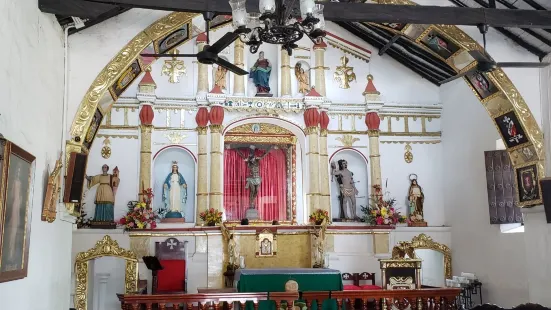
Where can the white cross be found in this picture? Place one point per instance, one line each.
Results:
(171, 244)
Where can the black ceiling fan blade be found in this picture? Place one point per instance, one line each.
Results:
(523, 64)
(460, 75)
(168, 55)
(480, 56)
(233, 68)
(224, 42)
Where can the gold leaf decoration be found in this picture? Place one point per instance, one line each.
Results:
(347, 140)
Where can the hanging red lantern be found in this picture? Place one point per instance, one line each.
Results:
(146, 115)
(311, 117)
(202, 117)
(372, 120)
(216, 115)
(324, 120)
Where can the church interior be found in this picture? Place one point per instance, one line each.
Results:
(275, 153)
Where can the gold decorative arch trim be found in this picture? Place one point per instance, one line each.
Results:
(104, 247)
(425, 242)
(504, 104)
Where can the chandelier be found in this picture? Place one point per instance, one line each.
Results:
(276, 24)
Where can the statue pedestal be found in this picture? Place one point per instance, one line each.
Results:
(264, 95)
(173, 220)
(417, 224)
(252, 214)
(103, 225)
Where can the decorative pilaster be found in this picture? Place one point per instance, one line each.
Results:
(285, 74)
(238, 60)
(202, 119)
(312, 101)
(373, 121)
(319, 51)
(216, 117)
(325, 198)
(202, 71)
(146, 96)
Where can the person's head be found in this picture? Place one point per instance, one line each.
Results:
(174, 168)
(343, 164)
(414, 182)
(261, 55)
(104, 168)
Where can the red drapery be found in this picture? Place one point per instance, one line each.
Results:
(271, 202)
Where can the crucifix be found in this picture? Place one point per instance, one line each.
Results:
(174, 68)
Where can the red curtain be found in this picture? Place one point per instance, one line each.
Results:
(271, 202)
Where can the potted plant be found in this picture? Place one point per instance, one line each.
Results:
(382, 210)
(140, 215)
(318, 216)
(211, 217)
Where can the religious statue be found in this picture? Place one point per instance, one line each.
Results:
(220, 77)
(416, 199)
(266, 247)
(344, 74)
(347, 189)
(105, 194)
(260, 73)
(253, 179)
(174, 192)
(302, 78)
(233, 252)
(319, 246)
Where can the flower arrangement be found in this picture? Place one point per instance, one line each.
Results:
(382, 210)
(83, 221)
(318, 216)
(211, 217)
(139, 216)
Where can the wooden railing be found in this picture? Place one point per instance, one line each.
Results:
(430, 299)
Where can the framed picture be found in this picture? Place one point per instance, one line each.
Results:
(173, 39)
(126, 78)
(511, 130)
(481, 84)
(439, 44)
(15, 216)
(529, 190)
(93, 129)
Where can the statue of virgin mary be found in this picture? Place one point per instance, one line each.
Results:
(174, 193)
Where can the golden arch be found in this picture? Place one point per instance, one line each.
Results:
(104, 247)
(506, 100)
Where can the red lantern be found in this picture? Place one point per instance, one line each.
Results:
(324, 120)
(216, 115)
(311, 117)
(372, 120)
(202, 117)
(146, 115)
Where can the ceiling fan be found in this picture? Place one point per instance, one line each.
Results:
(485, 63)
(209, 54)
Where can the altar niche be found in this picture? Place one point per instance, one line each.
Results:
(260, 173)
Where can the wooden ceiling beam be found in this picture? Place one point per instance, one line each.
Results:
(76, 8)
(367, 12)
(535, 5)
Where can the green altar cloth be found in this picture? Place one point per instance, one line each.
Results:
(273, 280)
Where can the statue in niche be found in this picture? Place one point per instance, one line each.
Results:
(105, 195)
(344, 74)
(260, 73)
(347, 189)
(266, 247)
(302, 78)
(253, 179)
(220, 77)
(174, 193)
(416, 197)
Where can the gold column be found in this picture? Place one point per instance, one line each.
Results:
(145, 157)
(216, 154)
(238, 60)
(202, 173)
(285, 74)
(202, 73)
(319, 50)
(325, 199)
(313, 169)
(374, 157)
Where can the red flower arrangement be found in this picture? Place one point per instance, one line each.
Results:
(211, 217)
(140, 215)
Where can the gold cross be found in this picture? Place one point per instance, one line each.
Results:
(174, 68)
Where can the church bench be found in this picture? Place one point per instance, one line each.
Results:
(356, 278)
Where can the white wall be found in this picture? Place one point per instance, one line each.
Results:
(32, 84)
(497, 259)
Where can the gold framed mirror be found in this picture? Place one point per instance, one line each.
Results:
(106, 247)
(434, 255)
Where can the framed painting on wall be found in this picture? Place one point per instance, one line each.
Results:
(15, 216)
(529, 190)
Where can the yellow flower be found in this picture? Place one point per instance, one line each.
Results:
(140, 225)
(384, 211)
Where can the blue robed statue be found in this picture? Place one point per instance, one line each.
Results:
(174, 193)
(260, 73)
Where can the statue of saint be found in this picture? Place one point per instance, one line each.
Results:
(105, 194)
(302, 78)
(233, 253)
(220, 77)
(174, 192)
(266, 247)
(416, 199)
(253, 179)
(347, 189)
(260, 73)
